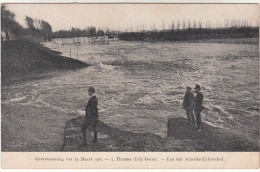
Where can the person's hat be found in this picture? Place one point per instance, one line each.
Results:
(188, 88)
(197, 87)
(91, 89)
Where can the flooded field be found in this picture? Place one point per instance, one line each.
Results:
(139, 86)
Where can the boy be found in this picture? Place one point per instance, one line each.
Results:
(198, 106)
(188, 103)
(91, 117)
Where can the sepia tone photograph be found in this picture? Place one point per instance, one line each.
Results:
(129, 77)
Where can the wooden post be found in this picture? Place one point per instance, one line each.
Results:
(70, 50)
(77, 52)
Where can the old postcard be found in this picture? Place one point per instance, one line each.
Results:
(132, 85)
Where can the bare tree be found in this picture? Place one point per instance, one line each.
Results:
(194, 24)
(232, 23)
(189, 25)
(209, 24)
(239, 23)
(226, 24)
(163, 25)
(244, 23)
(183, 25)
(46, 29)
(37, 24)
(107, 30)
(200, 24)
(219, 25)
(173, 25)
(30, 22)
(178, 25)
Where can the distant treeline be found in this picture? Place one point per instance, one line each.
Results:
(87, 32)
(37, 30)
(40, 30)
(190, 34)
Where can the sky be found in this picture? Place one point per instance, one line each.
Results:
(134, 16)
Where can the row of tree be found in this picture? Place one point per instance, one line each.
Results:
(190, 34)
(188, 24)
(36, 28)
(76, 32)
(42, 30)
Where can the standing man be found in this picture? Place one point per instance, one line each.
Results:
(91, 117)
(188, 104)
(198, 106)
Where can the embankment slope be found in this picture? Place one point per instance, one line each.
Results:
(22, 60)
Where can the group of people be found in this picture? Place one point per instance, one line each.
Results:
(193, 105)
(190, 103)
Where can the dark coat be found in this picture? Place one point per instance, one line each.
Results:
(198, 102)
(188, 101)
(91, 108)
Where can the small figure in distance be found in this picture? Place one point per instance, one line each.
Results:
(91, 118)
(198, 106)
(188, 104)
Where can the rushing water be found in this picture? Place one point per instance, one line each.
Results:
(139, 85)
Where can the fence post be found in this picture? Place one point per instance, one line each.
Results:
(70, 50)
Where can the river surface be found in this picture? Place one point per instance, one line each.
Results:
(140, 85)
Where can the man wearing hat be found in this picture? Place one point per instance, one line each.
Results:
(91, 117)
(188, 103)
(198, 106)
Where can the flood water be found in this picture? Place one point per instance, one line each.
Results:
(140, 85)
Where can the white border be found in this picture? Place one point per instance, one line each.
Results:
(129, 1)
(132, 1)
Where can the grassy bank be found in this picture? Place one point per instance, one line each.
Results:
(180, 138)
(23, 60)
